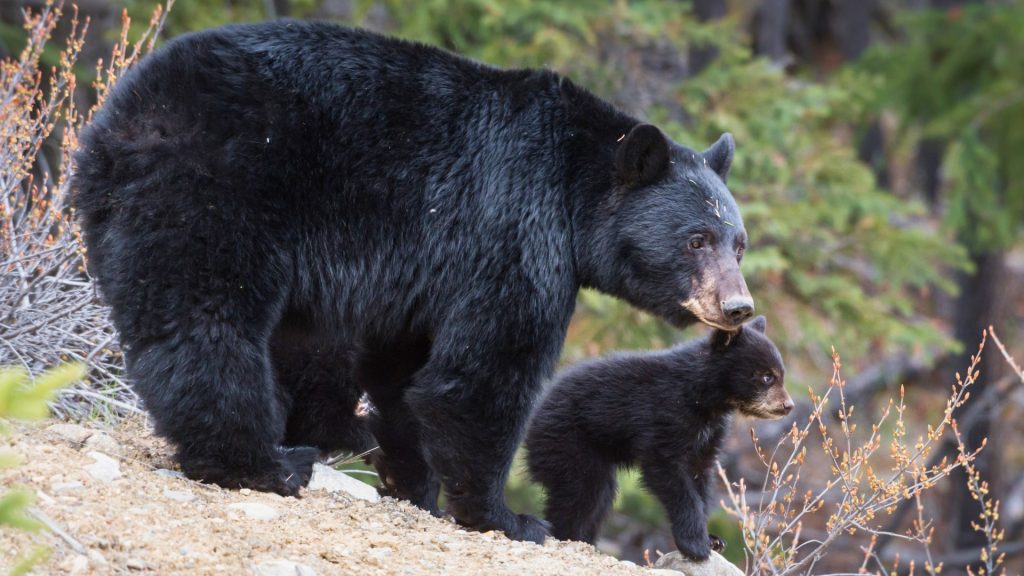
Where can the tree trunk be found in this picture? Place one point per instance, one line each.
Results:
(982, 302)
(772, 25)
(705, 10)
(277, 8)
(853, 27)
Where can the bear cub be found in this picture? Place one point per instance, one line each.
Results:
(666, 412)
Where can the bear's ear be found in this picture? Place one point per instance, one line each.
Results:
(720, 339)
(642, 157)
(719, 156)
(759, 324)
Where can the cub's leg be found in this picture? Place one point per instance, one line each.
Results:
(580, 485)
(684, 503)
(316, 385)
(386, 373)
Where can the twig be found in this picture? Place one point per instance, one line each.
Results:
(971, 415)
(1006, 355)
(52, 526)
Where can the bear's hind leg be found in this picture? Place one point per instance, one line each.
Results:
(211, 393)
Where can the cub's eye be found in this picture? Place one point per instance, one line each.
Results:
(697, 242)
(768, 379)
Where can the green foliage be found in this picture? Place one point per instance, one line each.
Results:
(522, 495)
(636, 502)
(25, 399)
(959, 78)
(189, 15)
(565, 36)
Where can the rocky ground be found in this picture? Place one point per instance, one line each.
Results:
(115, 504)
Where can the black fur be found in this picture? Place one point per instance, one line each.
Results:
(282, 214)
(664, 411)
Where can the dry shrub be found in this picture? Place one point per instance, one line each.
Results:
(50, 311)
(791, 524)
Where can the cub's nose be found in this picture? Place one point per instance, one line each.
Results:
(787, 406)
(738, 309)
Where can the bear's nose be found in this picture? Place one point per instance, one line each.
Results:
(738, 308)
(787, 405)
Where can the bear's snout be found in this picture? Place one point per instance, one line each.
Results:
(738, 309)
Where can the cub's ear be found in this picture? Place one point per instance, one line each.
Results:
(642, 157)
(719, 156)
(720, 339)
(759, 324)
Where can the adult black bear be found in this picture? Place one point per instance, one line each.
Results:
(666, 411)
(294, 206)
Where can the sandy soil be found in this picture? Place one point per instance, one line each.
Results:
(148, 521)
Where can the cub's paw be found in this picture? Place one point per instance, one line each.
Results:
(717, 544)
(697, 550)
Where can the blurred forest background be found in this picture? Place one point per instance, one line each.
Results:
(878, 169)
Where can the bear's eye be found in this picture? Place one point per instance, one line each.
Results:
(768, 379)
(697, 242)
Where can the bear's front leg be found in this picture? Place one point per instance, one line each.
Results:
(470, 426)
(680, 494)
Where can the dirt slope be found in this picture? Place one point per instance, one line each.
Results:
(136, 517)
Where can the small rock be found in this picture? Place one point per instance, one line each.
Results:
(72, 432)
(169, 473)
(46, 498)
(136, 564)
(283, 568)
(244, 491)
(255, 510)
(65, 486)
(666, 572)
(179, 495)
(106, 469)
(75, 564)
(96, 559)
(331, 480)
(104, 443)
(716, 565)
